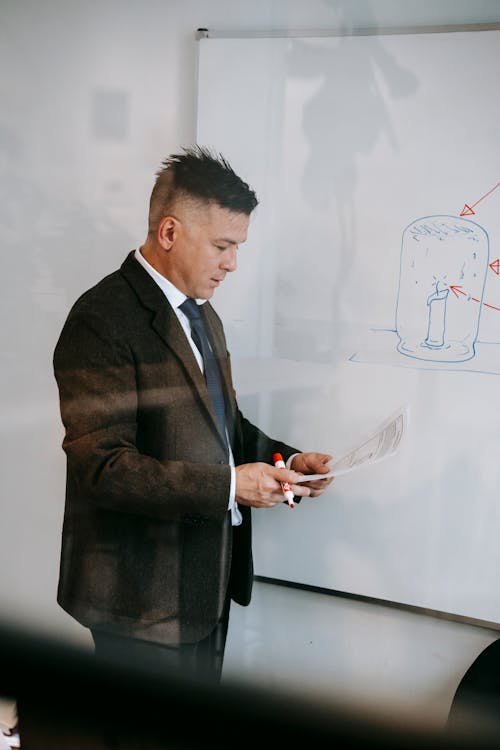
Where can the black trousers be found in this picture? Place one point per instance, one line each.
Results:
(202, 660)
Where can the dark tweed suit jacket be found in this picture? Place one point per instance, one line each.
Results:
(148, 550)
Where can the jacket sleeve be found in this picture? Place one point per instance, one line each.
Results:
(257, 446)
(96, 373)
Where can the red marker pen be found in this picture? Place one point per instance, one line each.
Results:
(287, 490)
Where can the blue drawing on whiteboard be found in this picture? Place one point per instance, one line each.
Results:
(444, 262)
(436, 302)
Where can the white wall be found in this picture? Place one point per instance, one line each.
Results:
(94, 95)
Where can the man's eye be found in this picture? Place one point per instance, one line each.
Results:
(221, 247)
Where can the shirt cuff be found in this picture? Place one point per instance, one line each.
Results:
(236, 517)
(232, 489)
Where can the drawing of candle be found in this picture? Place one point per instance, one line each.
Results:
(439, 253)
(437, 317)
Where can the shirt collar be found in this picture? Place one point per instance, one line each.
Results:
(174, 295)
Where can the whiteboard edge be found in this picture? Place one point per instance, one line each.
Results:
(204, 33)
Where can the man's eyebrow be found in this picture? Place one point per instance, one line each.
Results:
(227, 240)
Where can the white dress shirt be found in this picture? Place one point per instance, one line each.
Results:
(176, 298)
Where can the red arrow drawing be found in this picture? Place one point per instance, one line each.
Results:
(458, 290)
(495, 266)
(469, 210)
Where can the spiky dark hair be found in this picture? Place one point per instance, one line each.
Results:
(201, 174)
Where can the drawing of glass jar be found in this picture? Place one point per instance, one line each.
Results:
(444, 261)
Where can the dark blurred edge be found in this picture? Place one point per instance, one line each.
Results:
(68, 700)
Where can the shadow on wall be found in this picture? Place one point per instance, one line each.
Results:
(338, 134)
(54, 246)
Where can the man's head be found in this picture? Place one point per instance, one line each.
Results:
(199, 214)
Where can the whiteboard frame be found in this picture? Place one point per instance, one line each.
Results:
(204, 33)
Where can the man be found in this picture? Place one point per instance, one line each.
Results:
(162, 468)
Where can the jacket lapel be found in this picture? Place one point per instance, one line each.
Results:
(167, 326)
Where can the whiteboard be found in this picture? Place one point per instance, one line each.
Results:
(370, 280)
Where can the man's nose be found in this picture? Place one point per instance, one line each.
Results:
(230, 262)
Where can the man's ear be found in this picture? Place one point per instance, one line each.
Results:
(167, 232)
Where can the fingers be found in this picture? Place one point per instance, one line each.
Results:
(319, 485)
(317, 488)
(301, 490)
(260, 484)
(312, 462)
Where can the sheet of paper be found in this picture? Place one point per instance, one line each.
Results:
(382, 443)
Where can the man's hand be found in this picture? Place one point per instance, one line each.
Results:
(313, 463)
(258, 484)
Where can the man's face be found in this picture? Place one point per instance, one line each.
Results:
(206, 240)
